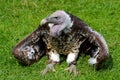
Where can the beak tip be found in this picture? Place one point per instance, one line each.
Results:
(43, 21)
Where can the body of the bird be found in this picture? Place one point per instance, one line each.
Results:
(70, 36)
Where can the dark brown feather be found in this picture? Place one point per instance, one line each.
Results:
(34, 39)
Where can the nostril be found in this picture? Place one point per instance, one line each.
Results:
(47, 19)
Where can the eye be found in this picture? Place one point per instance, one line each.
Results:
(56, 17)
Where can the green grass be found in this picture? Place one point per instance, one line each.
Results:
(18, 18)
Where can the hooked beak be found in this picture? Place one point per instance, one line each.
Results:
(43, 21)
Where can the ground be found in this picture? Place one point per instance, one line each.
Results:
(18, 18)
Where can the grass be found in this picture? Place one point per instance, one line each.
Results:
(18, 18)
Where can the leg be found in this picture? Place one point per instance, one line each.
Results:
(71, 60)
(53, 59)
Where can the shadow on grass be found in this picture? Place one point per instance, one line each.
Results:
(108, 64)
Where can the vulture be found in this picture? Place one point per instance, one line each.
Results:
(70, 36)
(66, 34)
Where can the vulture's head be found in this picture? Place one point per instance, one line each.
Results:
(58, 21)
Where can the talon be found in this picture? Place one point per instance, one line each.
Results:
(66, 69)
(48, 68)
(72, 69)
(43, 72)
(53, 70)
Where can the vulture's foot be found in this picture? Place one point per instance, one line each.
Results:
(49, 67)
(72, 69)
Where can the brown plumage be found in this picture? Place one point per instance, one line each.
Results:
(93, 42)
(32, 48)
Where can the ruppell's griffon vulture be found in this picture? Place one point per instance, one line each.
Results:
(71, 36)
(62, 33)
